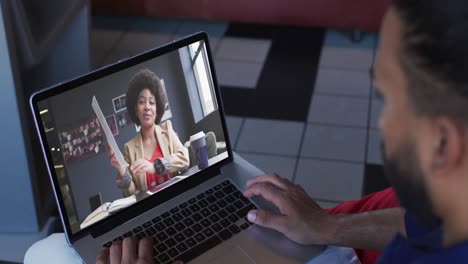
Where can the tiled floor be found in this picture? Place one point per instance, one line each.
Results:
(306, 91)
(278, 137)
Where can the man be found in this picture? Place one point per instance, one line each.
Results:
(421, 71)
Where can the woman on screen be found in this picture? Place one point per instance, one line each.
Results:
(155, 154)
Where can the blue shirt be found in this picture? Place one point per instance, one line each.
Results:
(423, 245)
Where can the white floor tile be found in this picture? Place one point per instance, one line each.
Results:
(238, 74)
(270, 136)
(342, 82)
(336, 143)
(243, 49)
(330, 180)
(374, 155)
(347, 58)
(339, 110)
(234, 125)
(283, 166)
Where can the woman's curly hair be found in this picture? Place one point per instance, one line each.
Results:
(145, 79)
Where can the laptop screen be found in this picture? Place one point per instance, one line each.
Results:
(124, 137)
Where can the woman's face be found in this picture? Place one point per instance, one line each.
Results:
(146, 108)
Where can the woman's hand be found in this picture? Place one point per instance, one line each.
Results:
(113, 159)
(142, 165)
(114, 162)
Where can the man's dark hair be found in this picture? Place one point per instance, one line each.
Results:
(145, 79)
(434, 55)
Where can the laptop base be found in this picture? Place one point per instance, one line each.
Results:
(254, 245)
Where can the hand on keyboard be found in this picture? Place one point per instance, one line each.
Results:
(301, 219)
(184, 232)
(128, 251)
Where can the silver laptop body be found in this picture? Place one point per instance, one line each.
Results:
(61, 122)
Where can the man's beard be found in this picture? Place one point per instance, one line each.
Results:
(404, 173)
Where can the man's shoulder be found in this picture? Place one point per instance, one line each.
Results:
(423, 245)
(401, 251)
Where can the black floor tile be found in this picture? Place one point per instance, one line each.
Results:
(286, 83)
(246, 30)
(374, 179)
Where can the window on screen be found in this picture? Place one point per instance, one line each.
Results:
(198, 77)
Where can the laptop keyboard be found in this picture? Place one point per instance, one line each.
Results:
(197, 225)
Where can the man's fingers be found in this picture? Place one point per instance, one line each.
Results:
(274, 179)
(145, 249)
(129, 250)
(115, 252)
(268, 191)
(267, 219)
(103, 257)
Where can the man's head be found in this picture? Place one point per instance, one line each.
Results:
(421, 70)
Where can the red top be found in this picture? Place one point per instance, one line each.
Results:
(154, 179)
(375, 201)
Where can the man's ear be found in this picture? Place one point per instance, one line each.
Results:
(449, 145)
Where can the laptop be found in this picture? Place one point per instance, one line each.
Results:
(196, 213)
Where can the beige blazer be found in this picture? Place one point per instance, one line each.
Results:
(171, 148)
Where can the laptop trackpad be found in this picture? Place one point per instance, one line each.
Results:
(233, 256)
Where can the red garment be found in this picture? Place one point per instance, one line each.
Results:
(154, 179)
(375, 201)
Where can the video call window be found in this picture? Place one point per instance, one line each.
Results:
(91, 179)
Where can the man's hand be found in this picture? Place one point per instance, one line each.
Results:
(301, 219)
(130, 250)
